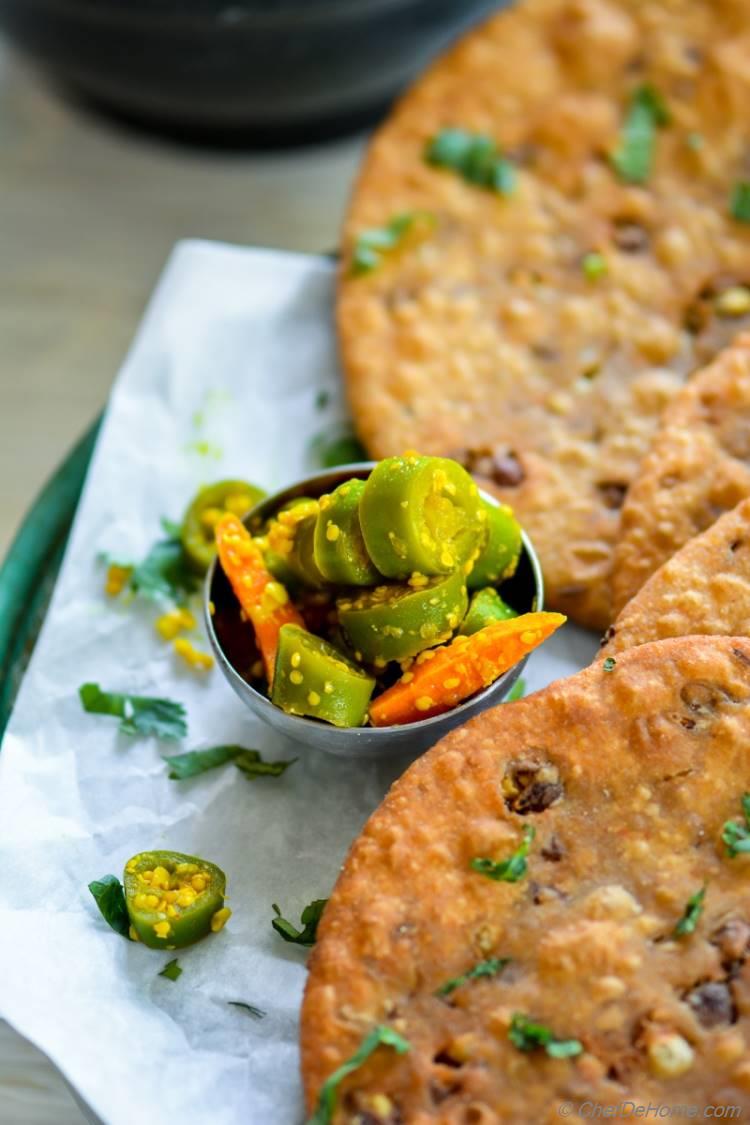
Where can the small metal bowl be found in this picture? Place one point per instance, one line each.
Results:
(228, 635)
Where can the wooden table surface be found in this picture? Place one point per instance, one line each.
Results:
(89, 215)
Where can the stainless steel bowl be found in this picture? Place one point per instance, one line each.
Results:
(226, 629)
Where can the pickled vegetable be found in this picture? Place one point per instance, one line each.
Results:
(313, 678)
(442, 678)
(486, 606)
(397, 621)
(421, 515)
(499, 556)
(340, 552)
(197, 533)
(265, 601)
(173, 899)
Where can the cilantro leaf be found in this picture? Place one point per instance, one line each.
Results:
(373, 243)
(328, 1096)
(475, 157)
(529, 1036)
(330, 449)
(309, 918)
(609, 664)
(692, 913)
(488, 968)
(109, 896)
(516, 692)
(138, 714)
(195, 762)
(508, 870)
(594, 266)
(737, 836)
(165, 573)
(739, 201)
(171, 528)
(257, 1013)
(252, 765)
(634, 155)
(171, 970)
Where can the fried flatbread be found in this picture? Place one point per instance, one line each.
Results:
(704, 588)
(697, 468)
(493, 335)
(628, 777)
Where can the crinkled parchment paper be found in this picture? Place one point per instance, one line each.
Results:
(223, 380)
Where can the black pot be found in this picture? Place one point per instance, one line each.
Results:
(275, 70)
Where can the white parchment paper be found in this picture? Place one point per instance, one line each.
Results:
(223, 380)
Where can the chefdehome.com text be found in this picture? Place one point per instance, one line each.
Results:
(649, 1111)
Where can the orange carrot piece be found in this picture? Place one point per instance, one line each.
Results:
(264, 601)
(441, 678)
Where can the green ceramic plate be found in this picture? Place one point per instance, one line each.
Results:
(28, 574)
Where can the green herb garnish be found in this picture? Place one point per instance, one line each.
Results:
(594, 266)
(195, 762)
(328, 1097)
(109, 896)
(488, 968)
(692, 913)
(737, 836)
(309, 918)
(171, 970)
(473, 156)
(633, 157)
(739, 201)
(322, 399)
(516, 692)
(529, 1036)
(257, 1013)
(609, 664)
(372, 244)
(508, 870)
(138, 714)
(330, 450)
(165, 573)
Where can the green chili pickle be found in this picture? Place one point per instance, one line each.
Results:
(301, 558)
(340, 552)
(421, 515)
(398, 621)
(485, 608)
(499, 556)
(205, 511)
(172, 899)
(313, 678)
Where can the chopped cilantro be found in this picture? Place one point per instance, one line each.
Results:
(594, 266)
(692, 913)
(171, 970)
(737, 836)
(338, 447)
(609, 664)
(516, 692)
(194, 762)
(739, 201)
(309, 918)
(328, 1096)
(529, 1036)
(474, 156)
(488, 968)
(257, 1013)
(165, 573)
(633, 157)
(508, 870)
(109, 896)
(372, 244)
(138, 714)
